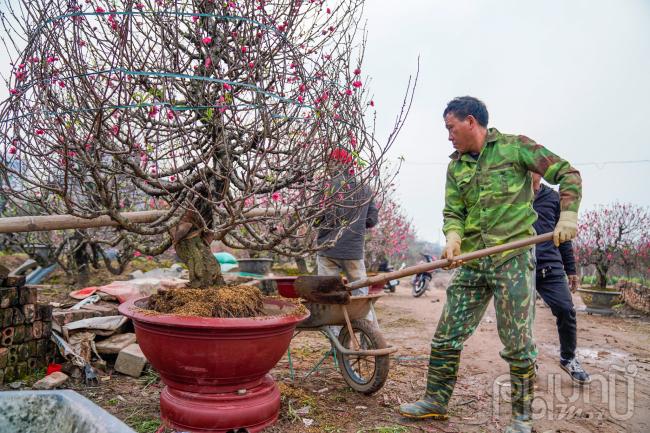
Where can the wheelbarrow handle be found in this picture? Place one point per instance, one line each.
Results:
(437, 264)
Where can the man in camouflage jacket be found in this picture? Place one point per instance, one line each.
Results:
(488, 202)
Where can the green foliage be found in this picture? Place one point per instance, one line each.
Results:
(592, 280)
(149, 425)
(149, 377)
(34, 377)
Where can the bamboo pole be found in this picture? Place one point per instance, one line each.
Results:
(437, 264)
(63, 222)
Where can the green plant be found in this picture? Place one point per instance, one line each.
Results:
(112, 402)
(149, 377)
(34, 377)
(146, 425)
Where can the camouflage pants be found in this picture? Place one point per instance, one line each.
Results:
(468, 295)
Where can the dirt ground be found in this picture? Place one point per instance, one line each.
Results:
(615, 350)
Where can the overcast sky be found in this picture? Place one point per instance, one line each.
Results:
(574, 75)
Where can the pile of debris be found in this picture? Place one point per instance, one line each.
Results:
(90, 332)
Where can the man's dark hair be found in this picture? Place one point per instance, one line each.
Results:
(463, 106)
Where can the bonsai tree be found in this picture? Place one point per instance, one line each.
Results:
(606, 234)
(204, 110)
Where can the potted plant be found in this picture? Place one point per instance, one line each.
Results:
(600, 300)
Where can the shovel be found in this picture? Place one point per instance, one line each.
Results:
(331, 290)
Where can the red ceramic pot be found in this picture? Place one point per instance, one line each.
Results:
(285, 286)
(216, 370)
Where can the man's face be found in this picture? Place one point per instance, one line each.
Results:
(460, 132)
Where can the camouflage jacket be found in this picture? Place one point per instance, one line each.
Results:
(489, 200)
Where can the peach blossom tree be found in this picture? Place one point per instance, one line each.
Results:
(204, 110)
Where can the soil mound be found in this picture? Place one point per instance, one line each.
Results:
(224, 302)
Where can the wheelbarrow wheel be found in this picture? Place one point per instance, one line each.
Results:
(365, 374)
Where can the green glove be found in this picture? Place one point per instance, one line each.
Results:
(566, 228)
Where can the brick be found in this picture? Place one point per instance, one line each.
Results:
(19, 334)
(41, 348)
(65, 317)
(4, 272)
(47, 329)
(8, 297)
(13, 355)
(28, 333)
(43, 312)
(7, 317)
(31, 348)
(115, 343)
(21, 370)
(130, 361)
(37, 330)
(52, 381)
(7, 337)
(15, 281)
(10, 374)
(104, 309)
(19, 317)
(29, 311)
(23, 352)
(4, 357)
(27, 295)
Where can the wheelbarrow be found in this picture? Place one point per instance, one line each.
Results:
(359, 350)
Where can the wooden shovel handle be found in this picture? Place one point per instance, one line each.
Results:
(437, 264)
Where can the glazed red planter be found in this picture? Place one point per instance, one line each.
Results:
(216, 370)
(285, 286)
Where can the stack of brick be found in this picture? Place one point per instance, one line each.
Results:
(635, 295)
(25, 327)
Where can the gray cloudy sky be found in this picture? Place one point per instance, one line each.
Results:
(572, 75)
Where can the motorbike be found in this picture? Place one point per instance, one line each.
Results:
(390, 285)
(421, 281)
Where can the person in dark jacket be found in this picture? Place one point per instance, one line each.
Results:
(348, 221)
(557, 278)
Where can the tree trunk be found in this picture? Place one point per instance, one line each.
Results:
(302, 265)
(81, 264)
(204, 268)
(602, 277)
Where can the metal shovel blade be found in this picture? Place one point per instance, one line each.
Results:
(322, 289)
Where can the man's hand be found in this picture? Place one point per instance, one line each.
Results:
(566, 227)
(574, 283)
(452, 249)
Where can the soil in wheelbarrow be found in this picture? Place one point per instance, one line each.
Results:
(230, 301)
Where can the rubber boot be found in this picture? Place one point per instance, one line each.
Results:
(522, 382)
(441, 379)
